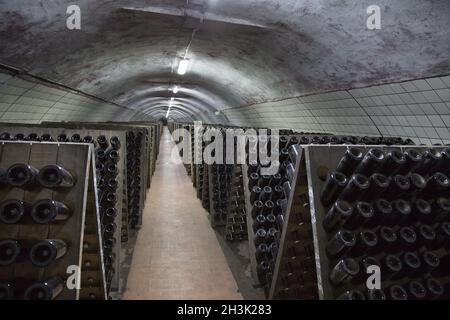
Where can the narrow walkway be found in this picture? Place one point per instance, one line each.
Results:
(177, 255)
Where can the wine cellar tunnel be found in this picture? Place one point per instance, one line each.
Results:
(102, 106)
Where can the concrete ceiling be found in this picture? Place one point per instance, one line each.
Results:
(244, 51)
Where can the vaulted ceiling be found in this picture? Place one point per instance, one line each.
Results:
(241, 53)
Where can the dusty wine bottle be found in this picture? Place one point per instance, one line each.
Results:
(5, 136)
(262, 269)
(257, 208)
(441, 210)
(371, 162)
(379, 184)
(12, 211)
(46, 290)
(416, 291)
(421, 211)
(115, 142)
(266, 194)
(444, 163)
(407, 239)
(9, 252)
(62, 138)
(393, 162)
(431, 160)
(19, 137)
(382, 210)
(47, 137)
(108, 244)
(276, 180)
(272, 235)
(430, 262)
(338, 214)
(363, 213)
(434, 289)
(47, 211)
(351, 159)
(102, 141)
(55, 176)
(340, 243)
(425, 235)
(356, 188)
(365, 263)
(46, 251)
(391, 266)
(268, 207)
(334, 185)
(399, 186)
(88, 139)
(344, 270)
(6, 291)
(366, 244)
(411, 264)
(387, 238)
(261, 252)
(113, 155)
(260, 236)
(277, 192)
(110, 229)
(21, 175)
(112, 169)
(259, 222)
(442, 236)
(75, 138)
(437, 185)
(255, 193)
(32, 137)
(414, 161)
(264, 180)
(376, 294)
(401, 213)
(113, 183)
(352, 295)
(418, 183)
(397, 292)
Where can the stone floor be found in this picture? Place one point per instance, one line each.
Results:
(177, 254)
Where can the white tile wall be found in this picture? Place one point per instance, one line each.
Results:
(23, 100)
(417, 109)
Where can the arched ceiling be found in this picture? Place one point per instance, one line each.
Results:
(243, 52)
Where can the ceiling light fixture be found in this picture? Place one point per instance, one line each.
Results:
(182, 67)
(168, 110)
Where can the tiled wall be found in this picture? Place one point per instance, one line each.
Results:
(27, 101)
(418, 109)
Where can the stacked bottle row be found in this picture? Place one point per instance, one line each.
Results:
(205, 188)
(270, 195)
(107, 159)
(46, 137)
(236, 228)
(268, 210)
(187, 165)
(269, 202)
(134, 185)
(199, 180)
(221, 176)
(39, 253)
(389, 208)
